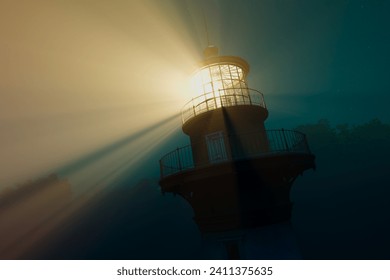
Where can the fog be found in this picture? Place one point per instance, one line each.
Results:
(77, 76)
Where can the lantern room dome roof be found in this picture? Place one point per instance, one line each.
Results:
(211, 57)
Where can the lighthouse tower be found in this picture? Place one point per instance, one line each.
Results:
(235, 174)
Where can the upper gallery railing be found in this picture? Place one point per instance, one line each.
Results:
(226, 98)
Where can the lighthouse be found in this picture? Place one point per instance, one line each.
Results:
(235, 174)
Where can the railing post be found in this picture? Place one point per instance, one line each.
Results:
(220, 97)
(285, 140)
(249, 95)
(193, 109)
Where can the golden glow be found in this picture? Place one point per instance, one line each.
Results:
(77, 78)
(77, 75)
(218, 79)
(214, 86)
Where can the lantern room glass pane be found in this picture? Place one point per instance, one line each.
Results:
(218, 79)
(208, 88)
(205, 73)
(215, 73)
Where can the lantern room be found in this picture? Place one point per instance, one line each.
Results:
(220, 81)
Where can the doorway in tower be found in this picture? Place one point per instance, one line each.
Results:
(216, 147)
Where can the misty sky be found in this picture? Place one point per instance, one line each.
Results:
(76, 76)
(313, 59)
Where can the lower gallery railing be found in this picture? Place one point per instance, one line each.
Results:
(239, 146)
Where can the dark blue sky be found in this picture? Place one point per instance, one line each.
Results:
(312, 59)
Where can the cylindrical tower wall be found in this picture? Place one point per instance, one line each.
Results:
(227, 133)
(224, 112)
